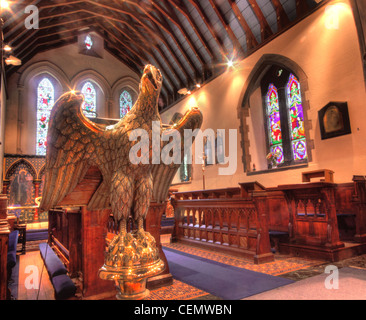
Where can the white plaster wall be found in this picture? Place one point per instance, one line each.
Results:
(332, 62)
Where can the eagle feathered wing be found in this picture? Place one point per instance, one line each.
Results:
(163, 174)
(72, 140)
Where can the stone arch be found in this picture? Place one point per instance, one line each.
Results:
(26, 121)
(13, 167)
(253, 82)
(44, 67)
(129, 83)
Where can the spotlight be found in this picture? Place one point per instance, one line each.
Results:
(4, 4)
(183, 91)
(198, 85)
(230, 63)
(7, 48)
(13, 61)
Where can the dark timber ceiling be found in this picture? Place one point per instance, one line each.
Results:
(188, 40)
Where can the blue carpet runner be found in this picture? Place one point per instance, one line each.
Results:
(223, 281)
(37, 234)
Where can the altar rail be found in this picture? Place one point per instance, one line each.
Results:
(232, 220)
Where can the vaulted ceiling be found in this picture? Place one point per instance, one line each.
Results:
(188, 40)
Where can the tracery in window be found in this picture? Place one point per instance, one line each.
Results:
(45, 102)
(90, 97)
(125, 103)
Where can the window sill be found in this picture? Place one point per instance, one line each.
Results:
(183, 182)
(292, 167)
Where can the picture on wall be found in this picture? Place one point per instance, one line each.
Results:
(334, 120)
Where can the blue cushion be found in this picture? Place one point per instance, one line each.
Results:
(11, 259)
(53, 264)
(64, 287)
(12, 249)
(13, 240)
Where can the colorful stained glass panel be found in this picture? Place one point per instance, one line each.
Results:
(273, 113)
(277, 150)
(295, 108)
(45, 101)
(299, 150)
(296, 119)
(90, 97)
(125, 103)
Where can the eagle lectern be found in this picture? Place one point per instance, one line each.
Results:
(129, 180)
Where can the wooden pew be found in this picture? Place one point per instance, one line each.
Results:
(231, 220)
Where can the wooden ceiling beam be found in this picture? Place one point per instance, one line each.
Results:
(136, 16)
(144, 59)
(173, 18)
(266, 30)
(237, 46)
(282, 18)
(150, 53)
(208, 24)
(21, 33)
(250, 38)
(135, 33)
(302, 8)
(17, 19)
(184, 11)
(38, 34)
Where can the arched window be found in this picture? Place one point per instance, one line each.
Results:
(125, 103)
(45, 101)
(284, 117)
(274, 123)
(90, 100)
(296, 116)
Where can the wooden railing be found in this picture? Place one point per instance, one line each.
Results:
(230, 220)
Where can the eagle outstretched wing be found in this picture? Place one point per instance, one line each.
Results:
(163, 174)
(71, 143)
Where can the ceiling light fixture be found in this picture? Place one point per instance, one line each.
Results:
(7, 48)
(183, 91)
(11, 60)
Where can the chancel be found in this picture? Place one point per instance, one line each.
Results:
(182, 150)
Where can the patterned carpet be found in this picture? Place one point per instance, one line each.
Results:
(283, 264)
(177, 291)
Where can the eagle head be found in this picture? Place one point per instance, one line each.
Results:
(151, 81)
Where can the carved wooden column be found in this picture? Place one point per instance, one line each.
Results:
(4, 241)
(359, 200)
(93, 233)
(20, 119)
(74, 241)
(333, 232)
(5, 186)
(36, 183)
(263, 251)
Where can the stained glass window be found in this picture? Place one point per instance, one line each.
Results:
(274, 123)
(125, 103)
(185, 170)
(90, 98)
(88, 42)
(296, 119)
(45, 101)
